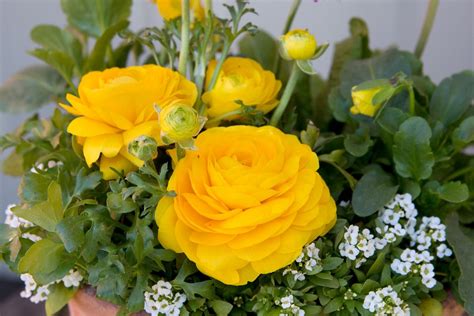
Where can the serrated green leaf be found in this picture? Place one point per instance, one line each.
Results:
(54, 38)
(136, 299)
(375, 189)
(30, 89)
(13, 165)
(452, 97)
(86, 181)
(411, 150)
(46, 214)
(47, 261)
(93, 17)
(71, 232)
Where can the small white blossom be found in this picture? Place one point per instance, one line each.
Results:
(286, 301)
(72, 279)
(288, 306)
(443, 251)
(33, 291)
(162, 300)
(385, 301)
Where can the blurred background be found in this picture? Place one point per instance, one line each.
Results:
(391, 22)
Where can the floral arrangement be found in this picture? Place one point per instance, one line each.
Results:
(205, 168)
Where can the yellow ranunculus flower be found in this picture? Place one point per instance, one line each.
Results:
(298, 44)
(116, 106)
(362, 100)
(247, 201)
(240, 79)
(171, 9)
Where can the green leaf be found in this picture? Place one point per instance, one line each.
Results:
(462, 244)
(454, 192)
(339, 105)
(58, 60)
(47, 261)
(58, 297)
(464, 134)
(54, 38)
(6, 234)
(46, 214)
(96, 60)
(333, 305)
(358, 144)
(332, 263)
(306, 66)
(93, 17)
(71, 232)
(221, 308)
(391, 118)
(136, 299)
(261, 47)
(411, 150)
(452, 97)
(85, 181)
(375, 189)
(30, 89)
(13, 165)
(33, 187)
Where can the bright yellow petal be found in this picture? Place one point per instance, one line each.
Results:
(85, 127)
(166, 220)
(118, 163)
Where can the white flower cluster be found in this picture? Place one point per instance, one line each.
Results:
(288, 307)
(413, 262)
(162, 300)
(431, 234)
(17, 222)
(385, 301)
(38, 293)
(360, 245)
(399, 217)
(307, 262)
(43, 167)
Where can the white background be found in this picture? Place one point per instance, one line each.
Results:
(449, 49)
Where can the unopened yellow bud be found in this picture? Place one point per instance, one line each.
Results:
(298, 44)
(179, 122)
(362, 100)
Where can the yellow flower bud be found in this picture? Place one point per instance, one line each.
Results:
(179, 122)
(298, 44)
(362, 100)
(171, 9)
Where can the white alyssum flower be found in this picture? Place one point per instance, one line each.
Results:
(49, 165)
(288, 307)
(443, 251)
(415, 263)
(36, 293)
(385, 301)
(308, 261)
(17, 222)
(163, 300)
(72, 279)
(398, 216)
(430, 236)
(359, 245)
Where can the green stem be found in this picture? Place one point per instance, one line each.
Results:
(223, 116)
(289, 22)
(183, 54)
(285, 98)
(217, 70)
(208, 7)
(427, 25)
(180, 151)
(458, 173)
(411, 95)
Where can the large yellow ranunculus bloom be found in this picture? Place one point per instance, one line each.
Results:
(240, 79)
(247, 201)
(116, 106)
(171, 9)
(362, 101)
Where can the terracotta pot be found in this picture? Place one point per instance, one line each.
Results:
(85, 303)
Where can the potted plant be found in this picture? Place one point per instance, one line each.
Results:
(178, 178)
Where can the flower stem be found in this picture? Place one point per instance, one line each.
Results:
(183, 54)
(217, 70)
(223, 116)
(411, 95)
(289, 22)
(427, 25)
(285, 98)
(207, 7)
